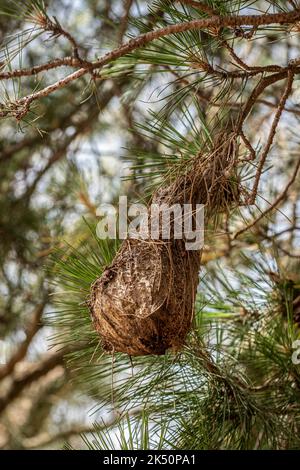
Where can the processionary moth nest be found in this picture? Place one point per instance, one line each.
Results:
(144, 301)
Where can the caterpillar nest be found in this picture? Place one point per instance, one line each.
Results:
(144, 301)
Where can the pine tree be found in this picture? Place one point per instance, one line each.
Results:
(212, 361)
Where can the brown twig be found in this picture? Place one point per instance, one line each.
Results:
(272, 133)
(258, 90)
(278, 246)
(280, 198)
(66, 61)
(247, 143)
(248, 68)
(142, 40)
(57, 30)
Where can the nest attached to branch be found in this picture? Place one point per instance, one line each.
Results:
(144, 301)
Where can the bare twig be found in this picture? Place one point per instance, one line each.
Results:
(258, 90)
(247, 143)
(248, 68)
(21, 106)
(279, 199)
(53, 26)
(66, 61)
(272, 133)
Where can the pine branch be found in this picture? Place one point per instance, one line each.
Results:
(21, 106)
(66, 61)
